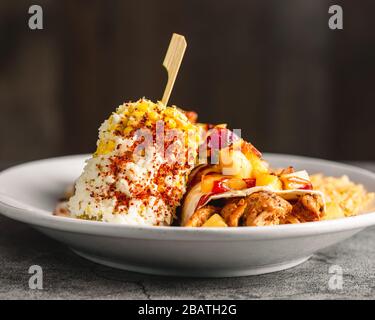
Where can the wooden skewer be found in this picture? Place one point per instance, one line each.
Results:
(172, 62)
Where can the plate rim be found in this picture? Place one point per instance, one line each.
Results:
(44, 219)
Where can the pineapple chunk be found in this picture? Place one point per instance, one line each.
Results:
(215, 221)
(269, 180)
(207, 182)
(234, 163)
(236, 184)
(248, 149)
(260, 167)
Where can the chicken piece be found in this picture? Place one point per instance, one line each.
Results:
(309, 207)
(290, 219)
(200, 216)
(233, 211)
(258, 209)
(266, 208)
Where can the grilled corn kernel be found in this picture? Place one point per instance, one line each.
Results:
(131, 109)
(105, 147)
(171, 123)
(129, 116)
(138, 114)
(153, 116)
(169, 112)
(143, 106)
(132, 122)
(127, 130)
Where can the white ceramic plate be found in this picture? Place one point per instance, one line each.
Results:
(29, 192)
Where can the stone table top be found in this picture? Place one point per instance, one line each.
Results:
(67, 276)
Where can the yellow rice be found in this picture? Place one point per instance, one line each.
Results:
(343, 197)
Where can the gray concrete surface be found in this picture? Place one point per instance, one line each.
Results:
(67, 276)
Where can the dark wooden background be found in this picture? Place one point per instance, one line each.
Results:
(272, 68)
